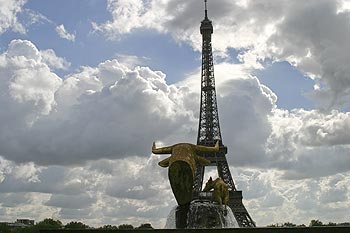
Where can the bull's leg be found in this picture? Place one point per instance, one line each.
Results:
(220, 202)
(226, 198)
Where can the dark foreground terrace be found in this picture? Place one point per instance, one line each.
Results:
(233, 230)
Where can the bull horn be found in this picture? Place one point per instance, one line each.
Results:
(163, 150)
(203, 161)
(207, 148)
(164, 162)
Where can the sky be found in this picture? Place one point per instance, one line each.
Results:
(86, 86)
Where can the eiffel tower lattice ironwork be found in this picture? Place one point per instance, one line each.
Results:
(209, 129)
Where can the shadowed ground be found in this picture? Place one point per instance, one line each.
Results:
(235, 230)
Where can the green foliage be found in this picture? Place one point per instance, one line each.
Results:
(344, 224)
(31, 229)
(273, 225)
(289, 224)
(109, 227)
(49, 223)
(76, 225)
(286, 224)
(315, 223)
(145, 226)
(4, 228)
(125, 227)
(331, 224)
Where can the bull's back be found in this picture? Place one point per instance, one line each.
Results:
(221, 189)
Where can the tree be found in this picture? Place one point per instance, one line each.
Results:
(286, 224)
(76, 225)
(289, 224)
(125, 227)
(109, 227)
(316, 222)
(344, 224)
(4, 228)
(47, 223)
(274, 225)
(145, 226)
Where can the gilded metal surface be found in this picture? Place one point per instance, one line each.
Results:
(221, 193)
(182, 167)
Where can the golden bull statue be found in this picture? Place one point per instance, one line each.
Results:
(221, 194)
(182, 167)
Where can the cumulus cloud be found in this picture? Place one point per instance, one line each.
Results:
(50, 58)
(62, 32)
(111, 196)
(112, 111)
(107, 111)
(247, 103)
(131, 60)
(28, 85)
(289, 200)
(312, 36)
(92, 200)
(309, 143)
(103, 120)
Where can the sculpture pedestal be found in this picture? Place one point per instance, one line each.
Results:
(201, 214)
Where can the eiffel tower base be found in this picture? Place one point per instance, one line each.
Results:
(239, 211)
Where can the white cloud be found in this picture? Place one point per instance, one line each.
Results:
(268, 198)
(53, 61)
(8, 13)
(62, 32)
(131, 60)
(27, 85)
(29, 17)
(102, 120)
(312, 36)
(112, 111)
(109, 111)
(309, 143)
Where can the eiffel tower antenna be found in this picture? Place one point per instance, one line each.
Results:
(209, 129)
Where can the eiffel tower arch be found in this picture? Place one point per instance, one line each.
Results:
(209, 129)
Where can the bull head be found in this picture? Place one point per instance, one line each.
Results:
(182, 166)
(195, 150)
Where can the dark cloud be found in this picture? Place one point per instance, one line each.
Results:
(24, 178)
(81, 201)
(12, 200)
(244, 110)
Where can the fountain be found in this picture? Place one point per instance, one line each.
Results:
(202, 214)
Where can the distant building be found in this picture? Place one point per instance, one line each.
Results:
(21, 223)
(25, 221)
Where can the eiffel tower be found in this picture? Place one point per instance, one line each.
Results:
(209, 129)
